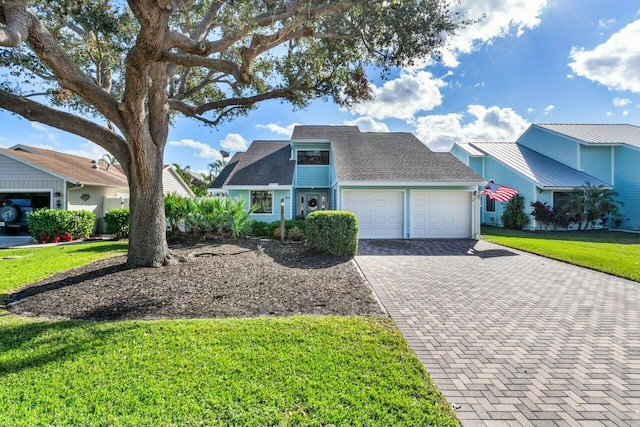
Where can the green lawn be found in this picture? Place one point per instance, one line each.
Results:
(271, 371)
(612, 252)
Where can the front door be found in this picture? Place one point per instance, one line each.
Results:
(311, 201)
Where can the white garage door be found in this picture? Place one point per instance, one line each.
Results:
(380, 213)
(440, 214)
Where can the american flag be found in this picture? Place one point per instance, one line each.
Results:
(498, 192)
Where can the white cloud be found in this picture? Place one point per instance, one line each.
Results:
(202, 150)
(621, 102)
(570, 76)
(45, 132)
(609, 113)
(403, 97)
(614, 63)
(89, 150)
(499, 18)
(625, 113)
(479, 123)
(234, 142)
(280, 130)
(367, 124)
(530, 110)
(548, 109)
(606, 23)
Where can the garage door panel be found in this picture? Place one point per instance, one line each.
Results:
(380, 213)
(440, 214)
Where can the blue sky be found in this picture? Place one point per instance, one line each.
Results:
(527, 61)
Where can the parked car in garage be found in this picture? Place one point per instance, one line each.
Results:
(15, 209)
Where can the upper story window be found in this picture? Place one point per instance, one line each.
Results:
(313, 157)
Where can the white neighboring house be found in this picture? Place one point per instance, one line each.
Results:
(33, 178)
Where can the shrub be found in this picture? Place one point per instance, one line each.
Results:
(513, 216)
(277, 235)
(296, 234)
(260, 229)
(333, 232)
(49, 225)
(117, 223)
(543, 213)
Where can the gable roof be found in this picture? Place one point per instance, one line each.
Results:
(386, 157)
(541, 170)
(74, 169)
(264, 163)
(608, 134)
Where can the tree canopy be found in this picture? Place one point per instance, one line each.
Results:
(116, 73)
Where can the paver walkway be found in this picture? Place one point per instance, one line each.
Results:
(513, 338)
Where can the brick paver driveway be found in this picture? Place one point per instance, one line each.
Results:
(513, 338)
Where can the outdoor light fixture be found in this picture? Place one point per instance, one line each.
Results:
(58, 203)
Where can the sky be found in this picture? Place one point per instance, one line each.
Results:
(526, 61)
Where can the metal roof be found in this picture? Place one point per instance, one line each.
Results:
(469, 149)
(542, 170)
(598, 133)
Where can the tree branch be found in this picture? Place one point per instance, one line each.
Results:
(218, 65)
(34, 111)
(68, 74)
(16, 28)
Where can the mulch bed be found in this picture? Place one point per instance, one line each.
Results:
(216, 279)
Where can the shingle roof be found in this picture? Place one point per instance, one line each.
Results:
(598, 133)
(226, 171)
(388, 156)
(75, 169)
(264, 163)
(543, 171)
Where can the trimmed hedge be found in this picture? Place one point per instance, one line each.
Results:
(54, 225)
(117, 223)
(332, 232)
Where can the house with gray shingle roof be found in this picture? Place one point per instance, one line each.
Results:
(397, 187)
(551, 161)
(33, 178)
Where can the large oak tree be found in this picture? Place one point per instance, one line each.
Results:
(117, 73)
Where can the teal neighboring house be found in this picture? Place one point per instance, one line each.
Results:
(550, 161)
(397, 187)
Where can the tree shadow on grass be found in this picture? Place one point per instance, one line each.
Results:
(64, 282)
(29, 344)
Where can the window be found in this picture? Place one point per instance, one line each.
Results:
(314, 157)
(264, 200)
(561, 200)
(489, 204)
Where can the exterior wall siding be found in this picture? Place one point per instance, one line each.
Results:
(312, 176)
(627, 185)
(551, 145)
(170, 184)
(16, 176)
(475, 163)
(268, 217)
(596, 161)
(460, 154)
(505, 176)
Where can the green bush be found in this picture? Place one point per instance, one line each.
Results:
(332, 232)
(296, 234)
(513, 216)
(53, 225)
(117, 223)
(276, 233)
(260, 229)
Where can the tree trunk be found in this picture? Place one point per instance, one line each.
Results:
(147, 239)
